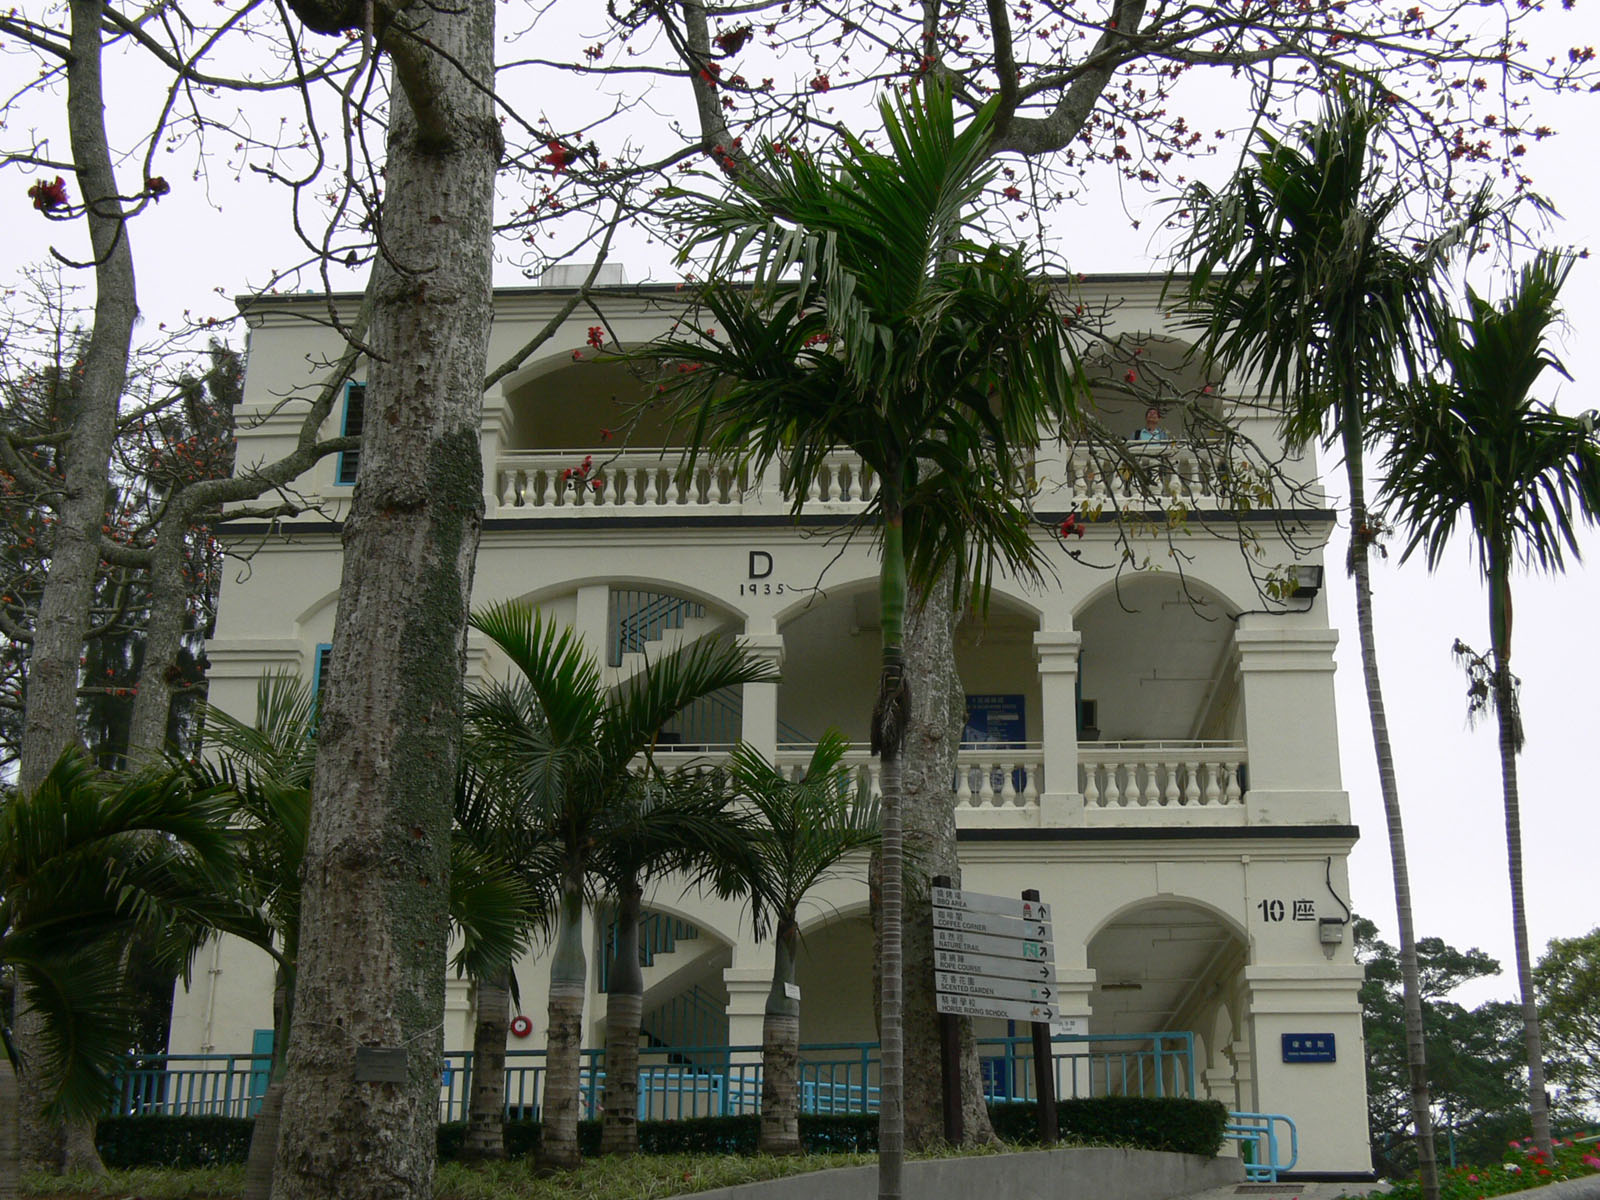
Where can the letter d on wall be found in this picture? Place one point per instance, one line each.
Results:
(760, 564)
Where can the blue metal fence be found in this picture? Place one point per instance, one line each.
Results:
(704, 1080)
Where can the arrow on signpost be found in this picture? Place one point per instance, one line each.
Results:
(988, 964)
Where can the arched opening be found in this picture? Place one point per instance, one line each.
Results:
(1163, 966)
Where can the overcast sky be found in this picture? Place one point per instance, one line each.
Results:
(204, 244)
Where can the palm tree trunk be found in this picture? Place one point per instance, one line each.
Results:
(79, 1154)
(10, 1132)
(1416, 1060)
(263, 1156)
(1510, 744)
(558, 1119)
(780, 1049)
(888, 737)
(486, 1105)
(264, 1141)
(619, 1133)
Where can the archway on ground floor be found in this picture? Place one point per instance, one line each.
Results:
(836, 978)
(1162, 966)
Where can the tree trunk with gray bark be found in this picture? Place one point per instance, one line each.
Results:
(933, 736)
(361, 1107)
(50, 715)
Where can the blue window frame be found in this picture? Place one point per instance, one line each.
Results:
(319, 670)
(355, 398)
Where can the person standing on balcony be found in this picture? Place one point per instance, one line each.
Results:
(1152, 431)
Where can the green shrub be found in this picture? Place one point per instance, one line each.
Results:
(1145, 1123)
(182, 1142)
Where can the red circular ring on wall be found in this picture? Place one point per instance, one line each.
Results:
(521, 1027)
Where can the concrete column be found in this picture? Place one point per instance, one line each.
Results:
(1219, 1085)
(1244, 1083)
(748, 981)
(593, 618)
(491, 440)
(1327, 1100)
(1291, 734)
(759, 727)
(1056, 650)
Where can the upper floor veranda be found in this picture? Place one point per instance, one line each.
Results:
(574, 429)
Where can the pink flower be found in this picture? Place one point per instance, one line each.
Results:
(1590, 1160)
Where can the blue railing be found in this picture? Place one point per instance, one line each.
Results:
(1257, 1135)
(706, 1080)
(1106, 1064)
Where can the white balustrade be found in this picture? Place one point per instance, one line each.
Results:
(1173, 470)
(651, 480)
(1155, 775)
(637, 480)
(1003, 784)
(630, 480)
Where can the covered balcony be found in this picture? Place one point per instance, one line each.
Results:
(566, 438)
(1162, 707)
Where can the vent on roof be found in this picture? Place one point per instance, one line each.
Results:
(571, 275)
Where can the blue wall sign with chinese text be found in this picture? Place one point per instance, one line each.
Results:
(1308, 1048)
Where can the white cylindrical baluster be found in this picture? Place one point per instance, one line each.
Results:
(1113, 793)
(1170, 796)
(1191, 787)
(814, 492)
(1213, 791)
(963, 785)
(1008, 788)
(1091, 785)
(1152, 793)
(1030, 783)
(652, 486)
(1232, 792)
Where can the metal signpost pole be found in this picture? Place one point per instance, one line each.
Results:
(950, 1059)
(1044, 1074)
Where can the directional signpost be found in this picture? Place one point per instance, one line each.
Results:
(993, 957)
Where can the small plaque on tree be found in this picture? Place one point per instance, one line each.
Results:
(380, 1064)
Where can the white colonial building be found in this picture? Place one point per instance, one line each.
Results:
(1153, 746)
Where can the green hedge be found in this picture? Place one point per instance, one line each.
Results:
(1146, 1123)
(173, 1141)
(1187, 1126)
(696, 1135)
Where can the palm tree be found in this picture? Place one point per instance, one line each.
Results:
(565, 747)
(936, 359)
(87, 861)
(1477, 449)
(804, 829)
(665, 822)
(1302, 283)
